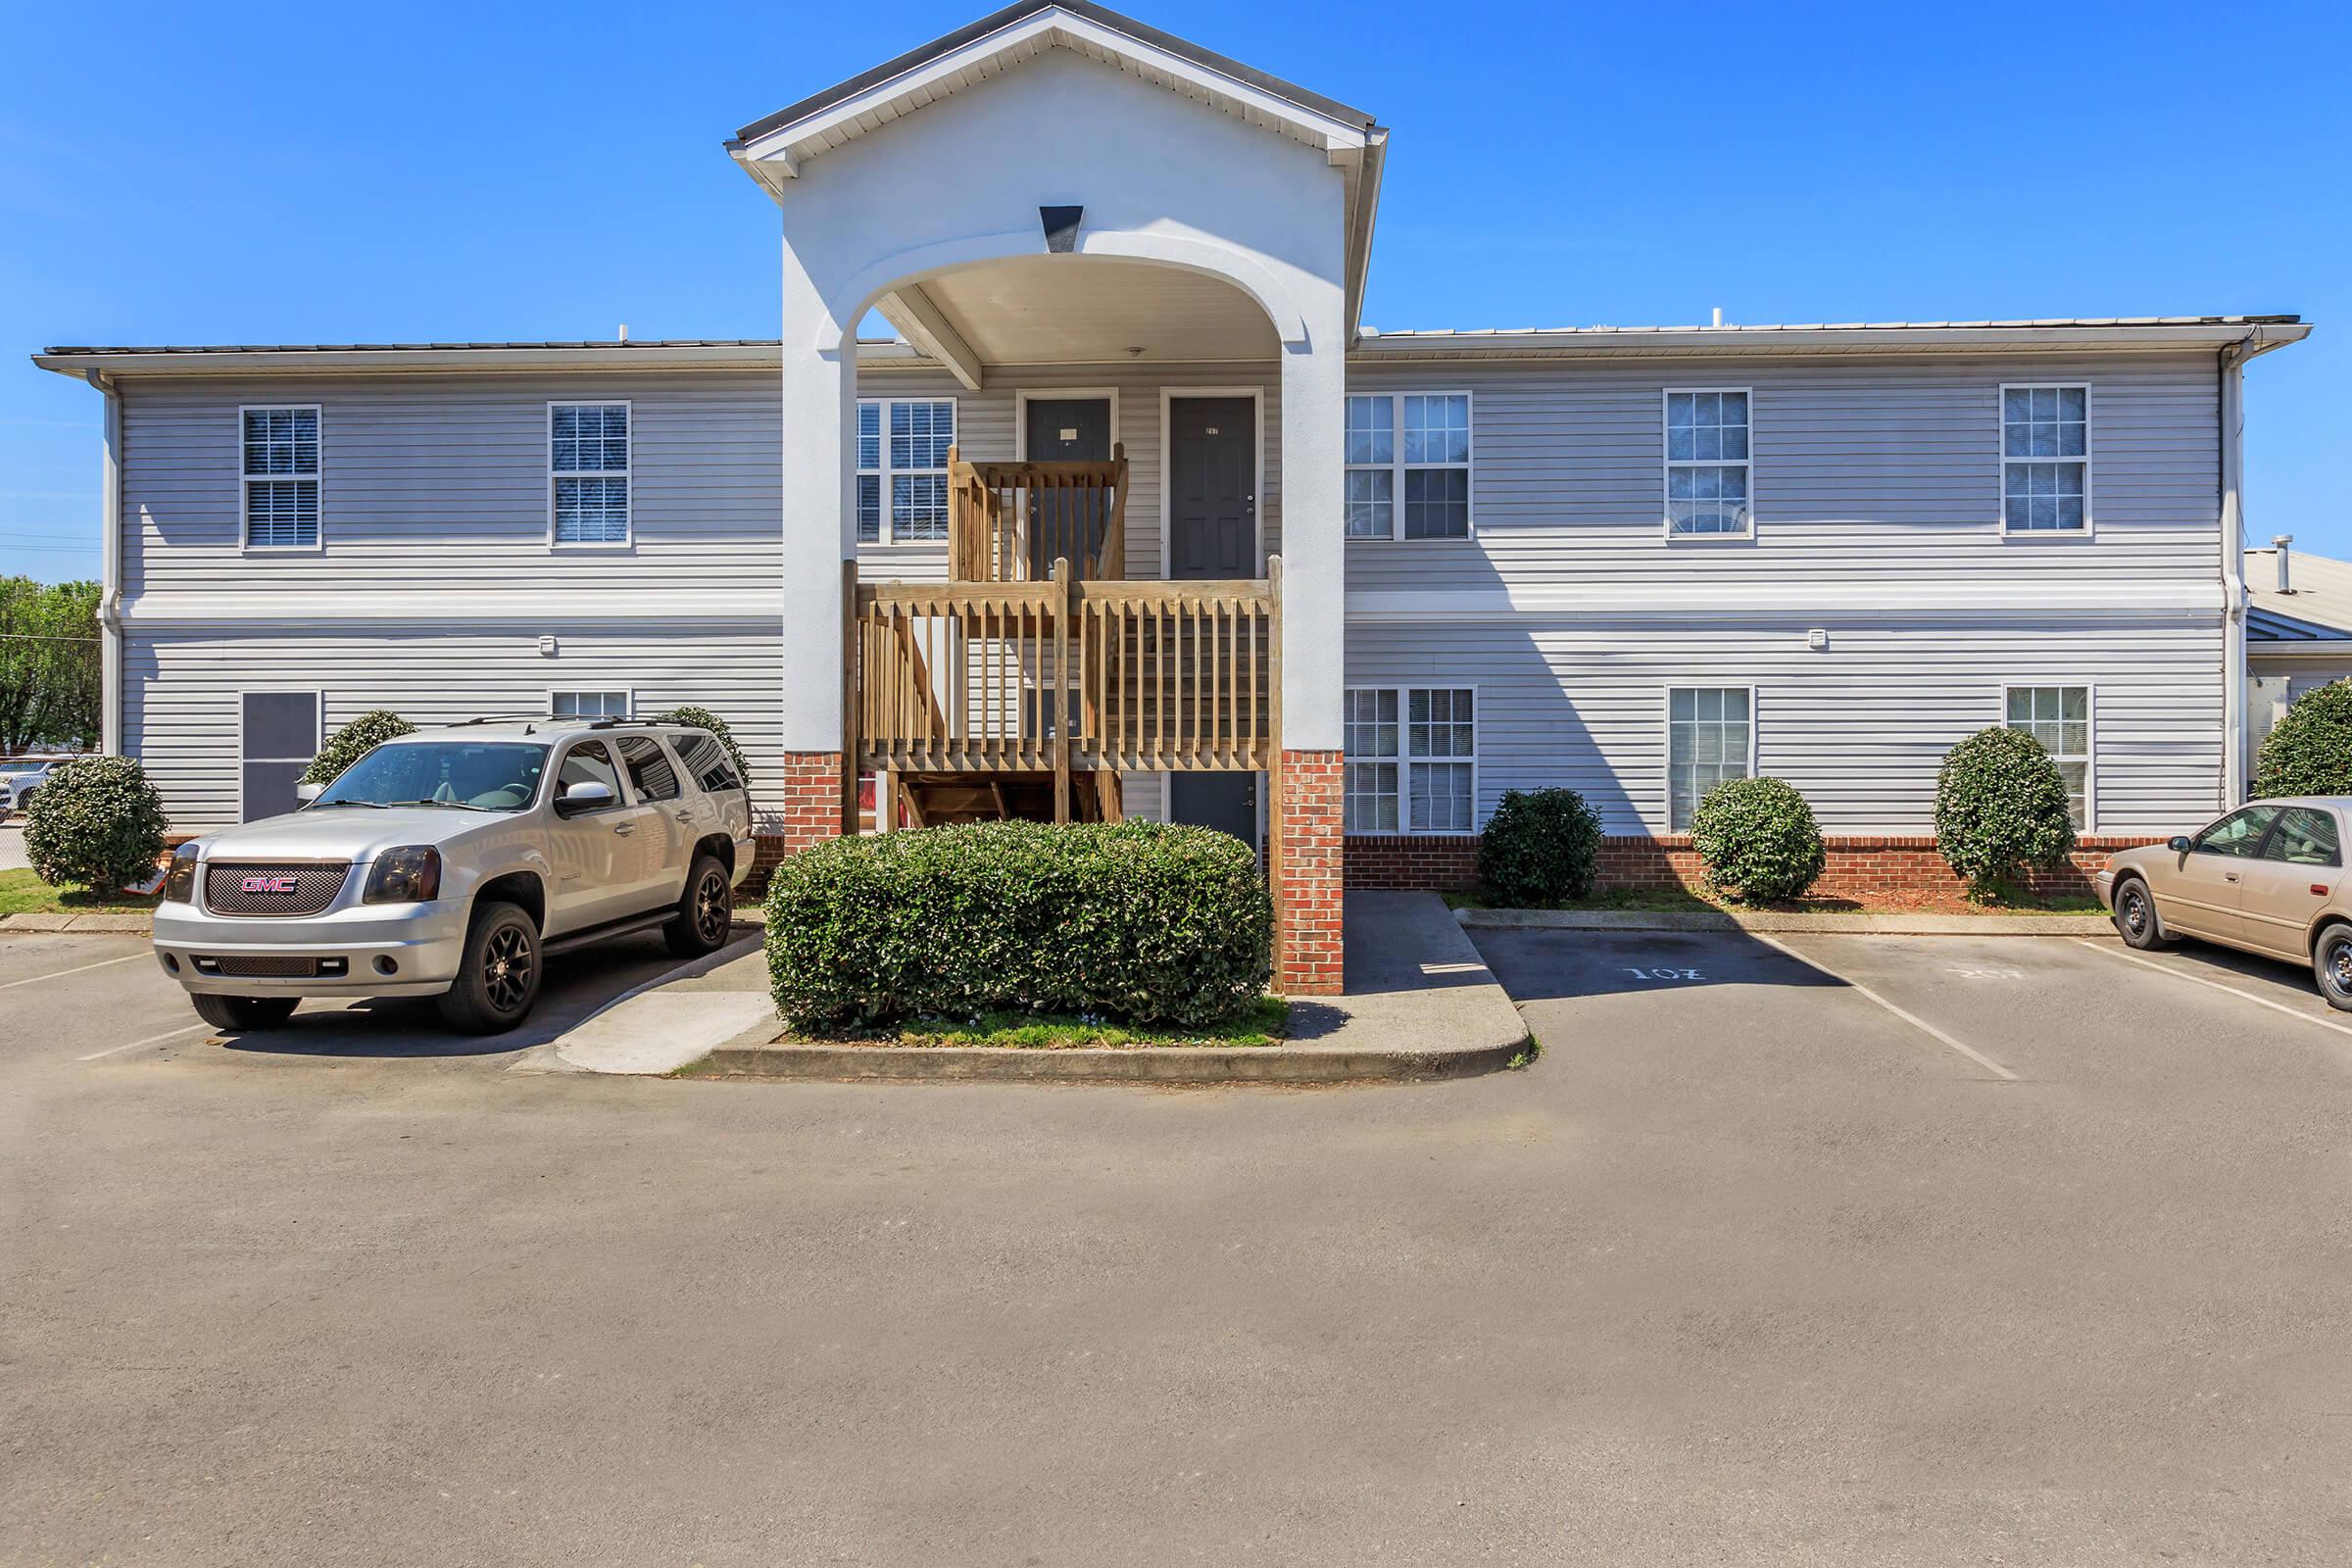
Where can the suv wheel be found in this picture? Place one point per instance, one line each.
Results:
(244, 1012)
(2331, 965)
(498, 979)
(706, 911)
(2136, 916)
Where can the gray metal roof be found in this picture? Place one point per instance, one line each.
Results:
(2319, 609)
(643, 344)
(915, 59)
(1734, 329)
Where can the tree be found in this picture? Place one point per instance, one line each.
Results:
(49, 666)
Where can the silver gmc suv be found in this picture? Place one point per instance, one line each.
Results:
(452, 862)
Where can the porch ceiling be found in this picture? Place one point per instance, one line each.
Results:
(1088, 310)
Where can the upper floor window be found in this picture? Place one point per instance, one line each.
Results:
(2059, 716)
(588, 467)
(1707, 464)
(2045, 458)
(1710, 736)
(280, 466)
(1420, 775)
(903, 454)
(1408, 466)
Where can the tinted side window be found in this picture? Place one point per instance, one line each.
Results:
(2305, 837)
(709, 763)
(588, 761)
(649, 768)
(2240, 833)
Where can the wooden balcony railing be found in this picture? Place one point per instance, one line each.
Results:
(1065, 675)
(1010, 521)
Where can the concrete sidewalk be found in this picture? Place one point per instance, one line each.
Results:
(1419, 1004)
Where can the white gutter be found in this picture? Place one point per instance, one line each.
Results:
(109, 566)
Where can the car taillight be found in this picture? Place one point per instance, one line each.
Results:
(410, 874)
(180, 885)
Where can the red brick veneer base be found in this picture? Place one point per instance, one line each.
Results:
(1310, 876)
(1870, 868)
(810, 812)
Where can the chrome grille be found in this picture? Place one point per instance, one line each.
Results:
(235, 887)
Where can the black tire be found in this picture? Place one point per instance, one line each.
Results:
(498, 979)
(2135, 919)
(244, 1013)
(706, 911)
(2331, 965)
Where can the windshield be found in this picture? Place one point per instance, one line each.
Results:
(484, 775)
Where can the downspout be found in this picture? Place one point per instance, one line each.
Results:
(109, 568)
(2234, 570)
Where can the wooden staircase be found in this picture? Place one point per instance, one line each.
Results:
(933, 800)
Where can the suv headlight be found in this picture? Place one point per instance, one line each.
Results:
(180, 886)
(410, 874)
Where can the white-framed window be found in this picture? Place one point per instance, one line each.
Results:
(2045, 459)
(1408, 466)
(902, 469)
(1707, 463)
(2058, 716)
(589, 705)
(279, 460)
(1412, 759)
(1710, 736)
(588, 473)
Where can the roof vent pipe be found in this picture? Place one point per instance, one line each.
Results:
(624, 332)
(1718, 315)
(2287, 558)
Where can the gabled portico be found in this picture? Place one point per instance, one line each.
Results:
(1054, 186)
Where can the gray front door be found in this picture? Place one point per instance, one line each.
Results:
(1070, 523)
(1213, 487)
(1226, 802)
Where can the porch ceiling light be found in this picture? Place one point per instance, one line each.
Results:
(1062, 228)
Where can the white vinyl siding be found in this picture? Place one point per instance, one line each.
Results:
(1710, 737)
(588, 473)
(589, 705)
(902, 456)
(1408, 470)
(1432, 787)
(2059, 716)
(280, 465)
(1707, 463)
(2045, 458)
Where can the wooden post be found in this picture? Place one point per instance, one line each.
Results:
(851, 646)
(1063, 601)
(1274, 749)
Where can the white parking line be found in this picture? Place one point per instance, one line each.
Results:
(2200, 980)
(151, 1040)
(1911, 1018)
(82, 969)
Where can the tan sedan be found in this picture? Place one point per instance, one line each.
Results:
(2267, 878)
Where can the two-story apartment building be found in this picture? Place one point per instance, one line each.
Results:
(1334, 588)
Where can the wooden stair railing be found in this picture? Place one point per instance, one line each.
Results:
(1009, 521)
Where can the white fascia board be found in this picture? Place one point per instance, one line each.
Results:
(523, 610)
(1858, 604)
(852, 117)
(395, 360)
(1636, 342)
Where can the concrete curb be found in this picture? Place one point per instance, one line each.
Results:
(1192, 1066)
(101, 923)
(1908, 925)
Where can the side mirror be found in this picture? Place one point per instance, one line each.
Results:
(587, 795)
(2180, 843)
(306, 792)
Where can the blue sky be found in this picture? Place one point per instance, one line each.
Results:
(203, 174)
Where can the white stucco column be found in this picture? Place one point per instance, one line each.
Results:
(819, 534)
(1313, 542)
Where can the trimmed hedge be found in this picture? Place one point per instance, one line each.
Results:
(703, 718)
(354, 741)
(97, 822)
(1140, 921)
(1758, 839)
(1541, 846)
(2001, 808)
(2310, 752)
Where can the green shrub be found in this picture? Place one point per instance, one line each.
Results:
(97, 822)
(1541, 846)
(1758, 839)
(2310, 752)
(1139, 921)
(2000, 807)
(354, 741)
(703, 718)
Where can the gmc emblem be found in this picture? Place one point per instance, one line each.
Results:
(268, 884)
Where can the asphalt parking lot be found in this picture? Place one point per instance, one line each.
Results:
(1849, 1250)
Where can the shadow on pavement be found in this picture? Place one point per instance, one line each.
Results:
(1539, 965)
(577, 985)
